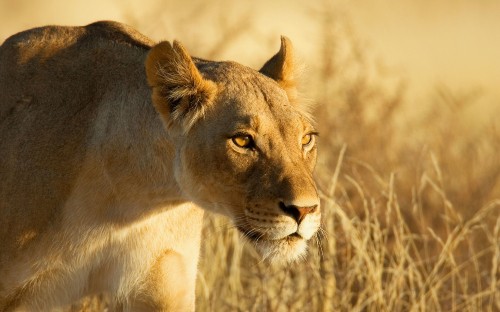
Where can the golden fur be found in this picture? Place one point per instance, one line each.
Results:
(112, 146)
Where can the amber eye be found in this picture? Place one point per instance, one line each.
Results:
(244, 141)
(306, 139)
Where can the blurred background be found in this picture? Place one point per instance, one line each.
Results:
(407, 101)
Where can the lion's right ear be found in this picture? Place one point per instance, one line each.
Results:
(180, 94)
(281, 68)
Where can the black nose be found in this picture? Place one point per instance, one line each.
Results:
(298, 213)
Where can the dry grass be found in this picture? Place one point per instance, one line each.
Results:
(410, 197)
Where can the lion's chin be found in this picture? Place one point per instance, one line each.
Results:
(282, 251)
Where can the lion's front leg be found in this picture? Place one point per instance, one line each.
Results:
(169, 285)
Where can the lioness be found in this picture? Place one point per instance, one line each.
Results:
(112, 146)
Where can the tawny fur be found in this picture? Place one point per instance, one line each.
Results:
(112, 146)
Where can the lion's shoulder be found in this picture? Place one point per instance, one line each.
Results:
(119, 33)
(99, 31)
(53, 41)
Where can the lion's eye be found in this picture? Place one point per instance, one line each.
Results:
(306, 139)
(244, 141)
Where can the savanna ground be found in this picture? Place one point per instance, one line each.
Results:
(410, 187)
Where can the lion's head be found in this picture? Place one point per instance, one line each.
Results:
(243, 145)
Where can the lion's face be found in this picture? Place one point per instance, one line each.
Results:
(250, 156)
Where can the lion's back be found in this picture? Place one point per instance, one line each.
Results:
(42, 61)
(52, 81)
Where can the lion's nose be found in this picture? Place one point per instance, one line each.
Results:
(297, 212)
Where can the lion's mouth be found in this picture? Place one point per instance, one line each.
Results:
(283, 250)
(256, 236)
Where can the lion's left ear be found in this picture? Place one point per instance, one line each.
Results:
(281, 68)
(180, 93)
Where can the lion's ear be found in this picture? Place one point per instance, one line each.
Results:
(281, 68)
(180, 93)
